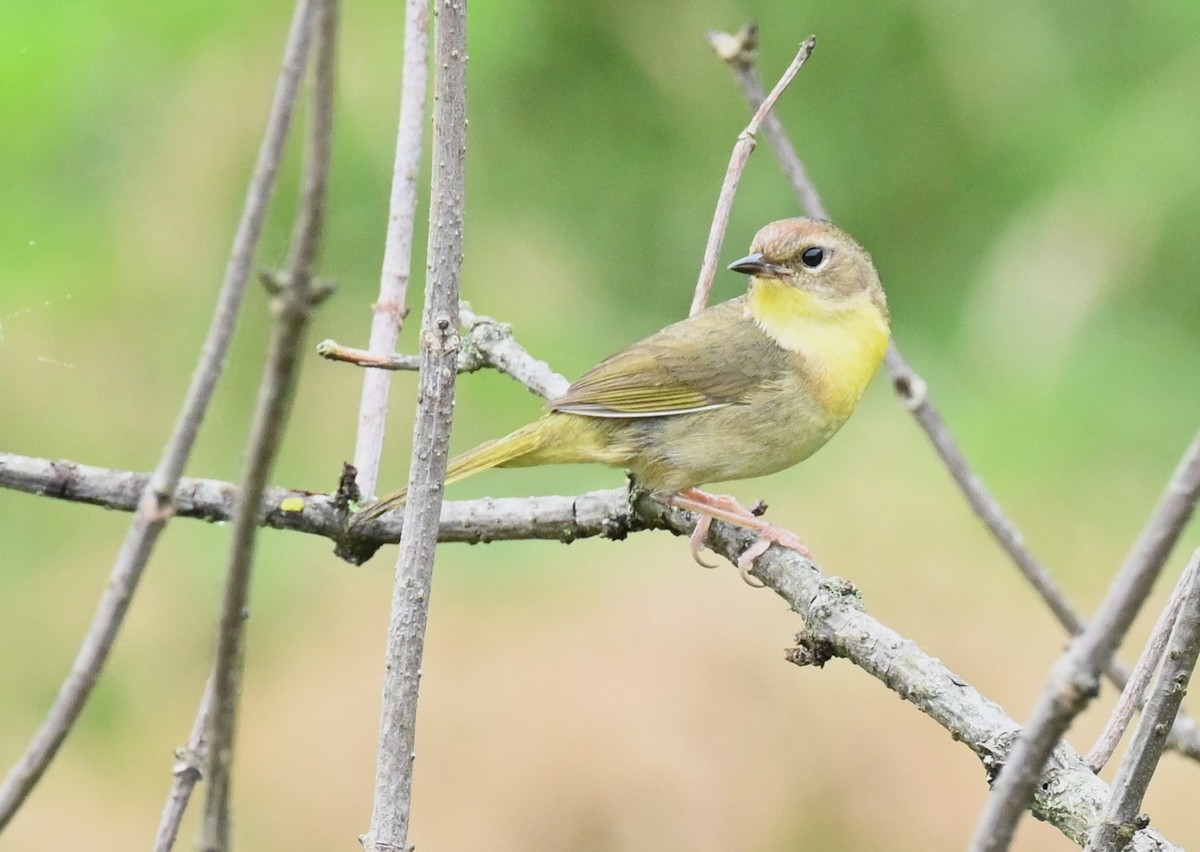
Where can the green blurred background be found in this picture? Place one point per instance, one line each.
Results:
(1024, 174)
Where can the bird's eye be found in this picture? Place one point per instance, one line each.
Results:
(813, 257)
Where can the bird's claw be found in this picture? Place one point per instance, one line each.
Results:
(771, 534)
(746, 562)
(697, 540)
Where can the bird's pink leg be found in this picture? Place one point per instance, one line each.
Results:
(726, 508)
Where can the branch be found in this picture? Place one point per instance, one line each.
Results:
(214, 501)
(1133, 696)
(487, 343)
(836, 622)
(1069, 796)
(154, 507)
(1122, 817)
(733, 175)
(496, 345)
(1073, 680)
(431, 438)
(740, 50)
(331, 350)
(390, 310)
(295, 297)
(188, 770)
(1185, 736)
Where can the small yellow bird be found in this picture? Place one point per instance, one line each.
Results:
(744, 388)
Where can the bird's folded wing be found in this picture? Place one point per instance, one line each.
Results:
(658, 378)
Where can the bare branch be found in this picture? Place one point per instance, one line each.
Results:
(498, 348)
(1122, 816)
(188, 770)
(1133, 695)
(915, 393)
(1070, 796)
(472, 521)
(331, 350)
(391, 308)
(431, 439)
(733, 175)
(292, 304)
(740, 50)
(1073, 680)
(155, 508)
(487, 343)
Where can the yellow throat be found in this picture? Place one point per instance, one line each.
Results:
(842, 339)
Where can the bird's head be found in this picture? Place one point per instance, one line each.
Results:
(816, 257)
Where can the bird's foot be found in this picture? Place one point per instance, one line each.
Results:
(726, 508)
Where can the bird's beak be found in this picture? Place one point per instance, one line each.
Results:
(756, 264)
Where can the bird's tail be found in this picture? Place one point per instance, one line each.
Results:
(508, 450)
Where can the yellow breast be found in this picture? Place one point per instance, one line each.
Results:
(842, 339)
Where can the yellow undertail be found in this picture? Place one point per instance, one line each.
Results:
(538, 443)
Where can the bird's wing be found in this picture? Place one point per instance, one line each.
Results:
(684, 368)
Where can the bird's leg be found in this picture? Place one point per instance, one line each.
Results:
(726, 508)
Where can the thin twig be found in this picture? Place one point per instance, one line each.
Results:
(739, 51)
(487, 343)
(1134, 693)
(733, 175)
(390, 310)
(1073, 680)
(155, 506)
(331, 350)
(431, 438)
(293, 301)
(915, 394)
(1122, 816)
(188, 770)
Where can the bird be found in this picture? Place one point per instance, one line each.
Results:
(739, 390)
